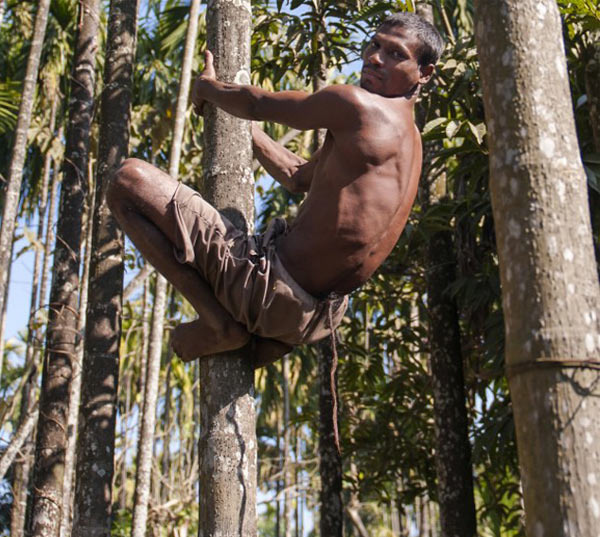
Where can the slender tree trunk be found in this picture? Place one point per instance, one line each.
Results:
(139, 279)
(16, 443)
(150, 397)
(287, 493)
(22, 475)
(61, 334)
(453, 450)
(4, 306)
(50, 235)
(144, 467)
(100, 368)
(278, 481)
(15, 174)
(228, 416)
(75, 394)
(330, 461)
(549, 282)
(166, 455)
(592, 86)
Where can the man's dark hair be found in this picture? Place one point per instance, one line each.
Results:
(432, 43)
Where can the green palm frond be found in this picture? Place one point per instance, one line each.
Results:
(9, 105)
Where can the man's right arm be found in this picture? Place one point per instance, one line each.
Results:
(291, 171)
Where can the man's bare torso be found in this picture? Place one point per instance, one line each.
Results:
(363, 186)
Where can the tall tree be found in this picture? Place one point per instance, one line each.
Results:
(100, 369)
(331, 520)
(61, 334)
(228, 416)
(549, 282)
(146, 443)
(15, 174)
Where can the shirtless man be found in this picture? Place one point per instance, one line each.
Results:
(288, 286)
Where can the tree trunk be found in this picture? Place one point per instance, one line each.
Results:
(4, 306)
(228, 416)
(592, 87)
(15, 174)
(16, 442)
(100, 368)
(61, 334)
(453, 451)
(75, 394)
(287, 478)
(330, 461)
(549, 282)
(50, 235)
(150, 397)
(144, 467)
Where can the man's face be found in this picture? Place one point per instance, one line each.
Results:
(390, 66)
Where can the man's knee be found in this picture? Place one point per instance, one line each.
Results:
(125, 181)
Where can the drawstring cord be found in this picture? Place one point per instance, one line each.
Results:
(332, 383)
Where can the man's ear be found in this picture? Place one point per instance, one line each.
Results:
(426, 73)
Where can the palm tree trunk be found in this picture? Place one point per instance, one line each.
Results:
(166, 455)
(287, 493)
(330, 460)
(146, 440)
(228, 416)
(61, 334)
(16, 443)
(50, 235)
(550, 291)
(4, 306)
(15, 174)
(144, 468)
(592, 86)
(24, 466)
(75, 394)
(100, 368)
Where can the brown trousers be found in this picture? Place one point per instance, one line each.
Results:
(247, 276)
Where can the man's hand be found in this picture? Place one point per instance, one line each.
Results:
(207, 74)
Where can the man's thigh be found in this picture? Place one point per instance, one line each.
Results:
(145, 189)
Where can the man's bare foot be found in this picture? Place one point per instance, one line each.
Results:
(195, 339)
(266, 351)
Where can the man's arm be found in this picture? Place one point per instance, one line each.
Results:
(291, 171)
(335, 107)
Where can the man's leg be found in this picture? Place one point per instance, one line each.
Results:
(139, 197)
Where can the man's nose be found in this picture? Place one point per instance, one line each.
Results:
(374, 58)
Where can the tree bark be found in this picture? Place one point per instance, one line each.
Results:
(549, 282)
(75, 393)
(61, 334)
(330, 461)
(592, 87)
(287, 492)
(150, 397)
(146, 443)
(453, 450)
(16, 443)
(15, 174)
(227, 443)
(100, 368)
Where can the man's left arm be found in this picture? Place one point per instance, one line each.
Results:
(335, 107)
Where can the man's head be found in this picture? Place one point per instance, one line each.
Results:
(401, 55)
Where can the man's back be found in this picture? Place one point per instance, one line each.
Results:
(364, 181)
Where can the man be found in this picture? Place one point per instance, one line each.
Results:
(289, 285)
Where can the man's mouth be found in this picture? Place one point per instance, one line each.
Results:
(371, 72)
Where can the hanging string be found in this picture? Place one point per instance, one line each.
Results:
(332, 383)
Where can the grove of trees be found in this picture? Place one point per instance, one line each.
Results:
(468, 376)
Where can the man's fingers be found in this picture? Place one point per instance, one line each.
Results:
(209, 69)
